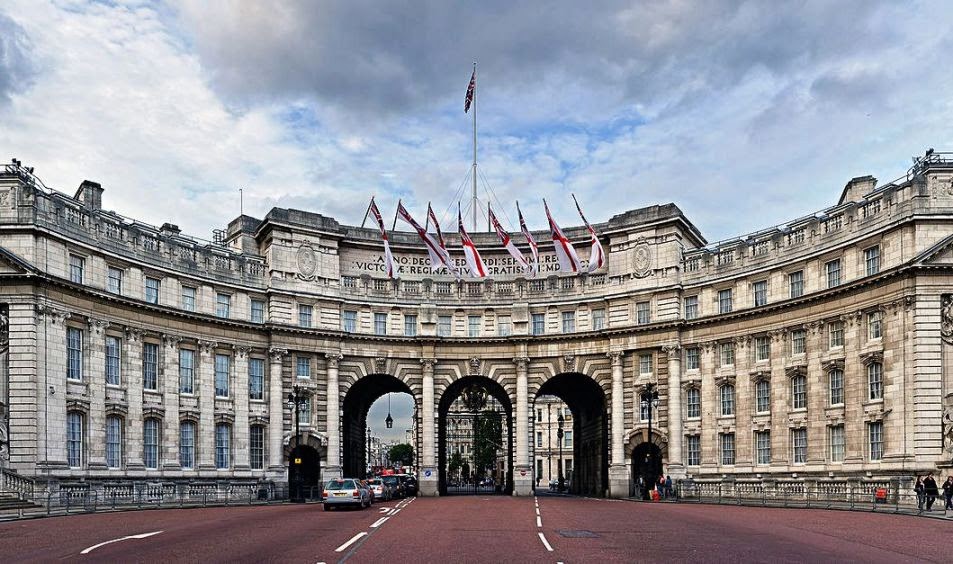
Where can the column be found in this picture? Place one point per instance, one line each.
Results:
(96, 432)
(428, 470)
(333, 423)
(618, 469)
(276, 459)
(675, 430)
(132, 381)
(240, 398)
(170, 386)
(51, 388)
(523, 474)
(205, 440)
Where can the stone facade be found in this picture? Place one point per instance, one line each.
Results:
(818, 348)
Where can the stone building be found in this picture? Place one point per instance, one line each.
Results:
(819, 349)
(550, 458)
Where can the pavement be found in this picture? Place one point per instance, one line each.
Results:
(467, 529)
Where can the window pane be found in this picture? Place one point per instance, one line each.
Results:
(74, 353)
(187, 444)
(150, 444)
(113, 442)
(256, 378)
(186, 366)
(223, 436)
(222, 363)
(256, 442)
(150, 366)
(113, 362)
(74, 439)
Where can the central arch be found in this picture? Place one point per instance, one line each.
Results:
(462, 408)
(357, 402)
(586, 401)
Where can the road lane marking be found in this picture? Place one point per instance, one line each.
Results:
(537, 511)
(139, 536)
(379, 522)
(385, 509)
(353, 540)
(539, 521)
(542, 537)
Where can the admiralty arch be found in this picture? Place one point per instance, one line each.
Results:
(818, 350)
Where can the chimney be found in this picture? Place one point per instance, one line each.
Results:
(857, 188)
(90, 194)
(169, 229)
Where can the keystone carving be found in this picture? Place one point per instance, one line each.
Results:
(380, 365)
(569, 362)
(475, 367)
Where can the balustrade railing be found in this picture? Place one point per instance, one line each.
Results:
(12, 482)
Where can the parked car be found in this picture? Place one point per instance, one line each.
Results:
(410, 483)
(381, 491)
(399, 490)
(346, 492)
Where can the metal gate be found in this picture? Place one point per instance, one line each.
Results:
(477, 447)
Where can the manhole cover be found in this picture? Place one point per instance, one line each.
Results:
(577, 534)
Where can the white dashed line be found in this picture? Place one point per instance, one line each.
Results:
(542, 537)
(539, 521)
(353, 540)
(379, 522)
(537, 511)
(139, 536)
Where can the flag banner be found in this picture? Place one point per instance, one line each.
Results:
(474, 262)
(568, 261)
(533, 246)
(470, 90)
(438, 257)
(443, 245)
(508, 243)
(388, 257)
(597, 255)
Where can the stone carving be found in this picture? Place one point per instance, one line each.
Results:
(4, 198)
(642, 259)
(277, 354)
(133, 334)
(4, 330)
(380, 365)
(946, 318)
(428, 363)
(307, 262)
(672, 349)
(615, 357)
(4, 437)
(240, 351)
(97, 326)
(475, 367)
(207, 347)
(333, 359)
(948, 429)
(171, 341)
(569, 362)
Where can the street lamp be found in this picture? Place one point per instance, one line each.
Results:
(296, 398)
(649, 402)
(559, 439)
(390, 420)
(368, 457)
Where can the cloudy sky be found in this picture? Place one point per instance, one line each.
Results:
(745, 114)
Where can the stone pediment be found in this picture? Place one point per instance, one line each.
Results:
(12, 264)
(940, 254)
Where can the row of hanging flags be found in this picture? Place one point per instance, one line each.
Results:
(475, 267)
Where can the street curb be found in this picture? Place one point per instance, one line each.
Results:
(928, 515)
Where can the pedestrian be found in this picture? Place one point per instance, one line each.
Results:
(668, 487)
(640, 486)
(931, 491)
(948, 493)
(537, 481)
(918, 489)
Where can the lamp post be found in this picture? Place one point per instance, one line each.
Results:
(296, 398)
(559, 439)
(650, 401)
(368, 457)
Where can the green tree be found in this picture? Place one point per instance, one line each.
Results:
(402, 454)
(487, 439)
(456, 462)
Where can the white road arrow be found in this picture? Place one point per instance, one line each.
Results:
(139, 536)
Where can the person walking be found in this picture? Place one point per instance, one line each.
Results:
(931, 491)
(668, 487)
(921, 496)
(640, 486)
(948, 493)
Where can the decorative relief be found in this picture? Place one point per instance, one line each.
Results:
(97, 326)
(5, 198)
(760, 375)
(240, 351)
(726, 380)
(948, 425)
(307, 262)
(333, 358)
(642, 258)
(834, 364)
(4, 333)
(778, 335)
(569, 362)
(850, 318)
(475, 367)
(133, 334)
(946, 318)
(207, 347)
(742, 341)
(521, 362)
(428, 363)
(171, 341)
(870, 357)
(277, 354)
(792, 371)
(616, 357)
(55, 315)
(380, 365)
(672, 349)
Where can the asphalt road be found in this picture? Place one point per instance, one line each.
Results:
(480, 529)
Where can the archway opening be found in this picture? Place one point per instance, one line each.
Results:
(304, 473)
(646, 468)
(585, 442)
(475, 442)
(365, 441)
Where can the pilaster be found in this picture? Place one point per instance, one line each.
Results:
(169, 374)
(428, 471)
(276, 457)
(96, 376)
(240, 429)
(333, 423)
(676, 428)
(618, 469)
(205, 451)
(523, 473)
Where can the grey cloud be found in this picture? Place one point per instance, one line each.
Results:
(16, 67)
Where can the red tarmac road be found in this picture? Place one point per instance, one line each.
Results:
(481, 529)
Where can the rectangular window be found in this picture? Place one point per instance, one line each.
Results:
(875, 381)
(152, 290)
(257, 311)
(304, 411)
(796, 282)
(693, 446)
(150, 444)
(223, 439)
(762, 348)
(539, 323)
(727, 448)
(256, 447)
(836, 334)
(539, 467)
(150, 366)
(727, 400)
(113, 442)
(223, 305)
(380, 323)
(305, 312)
(837, 443)
(77, 266)
(539, 439)
(303, 367)
(874, 325)
(256, 378)
(539, 415)
(504, 326)
(799, 392)
(836, 380)
(114, 280)
(186, 371)
(763, 396)
(693, 399)
(727, 354)
(74, 439)
(645, 408)
(762, 445)
(113, 360)
(473, 325)
(567, 439)
(74, 353)
(760, 290)
(692, 358)
(872, 260)
(410, 325)
(222, 363)
(350, 321)
(444, 326)
(833, 273)
(188, 298)
(799, 444)
(691, 307)
(875, 434)
(798, 341)
(598, 319)
(187, 445)
(724, 301)
(645, 363)
(643, 313)
(569, 321)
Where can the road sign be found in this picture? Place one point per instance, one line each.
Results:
(522, 472)
(427, 473)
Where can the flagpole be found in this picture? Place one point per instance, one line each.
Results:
(366, 212)
(474, 149)
(394, 228)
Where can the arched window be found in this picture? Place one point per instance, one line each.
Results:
(150, 443)
(114, 441)
(223, 439)
(75, 439)
(693, 399)
(799, 392)
(727, 400)
(875, 380)
(187, 444)
(256, 445)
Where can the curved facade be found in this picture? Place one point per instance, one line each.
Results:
(816, 350)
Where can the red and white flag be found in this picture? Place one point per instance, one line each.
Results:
(597, 255)
(568, 261)
(533, 246)
(388, 257)
(448, 262)
(471, 89)
(508, 243)
(438, 258)
(474, 262)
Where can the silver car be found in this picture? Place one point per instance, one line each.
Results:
(346, 492)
